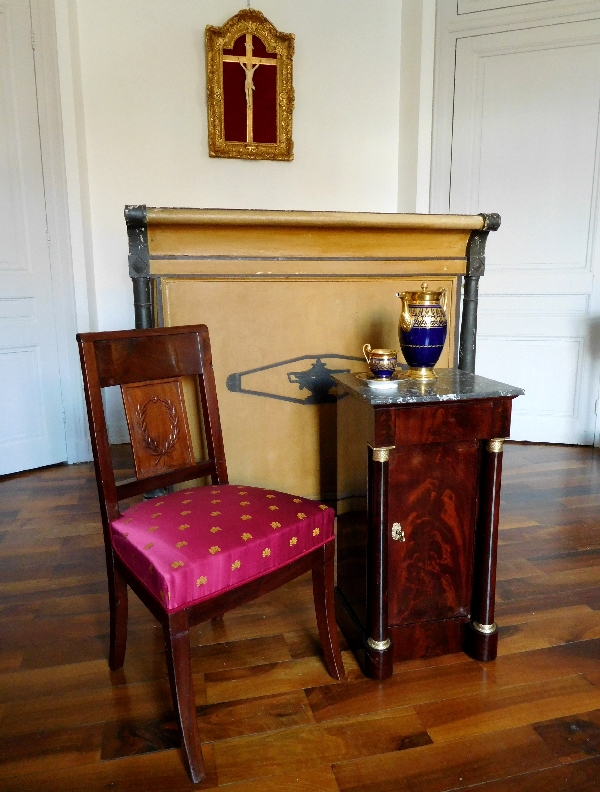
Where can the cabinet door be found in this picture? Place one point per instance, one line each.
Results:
(432, 494)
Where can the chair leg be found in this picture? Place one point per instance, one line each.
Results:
(117, 597)
(177, 645)
(325, 609)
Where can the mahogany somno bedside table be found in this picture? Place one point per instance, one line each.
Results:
(419, 470)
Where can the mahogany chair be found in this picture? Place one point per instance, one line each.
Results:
(193, 554)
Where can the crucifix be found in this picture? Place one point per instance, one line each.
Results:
(249, 64)
(249, 88)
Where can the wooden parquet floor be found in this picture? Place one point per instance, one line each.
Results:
(271, 718)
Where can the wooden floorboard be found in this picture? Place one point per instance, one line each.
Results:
(270, 717)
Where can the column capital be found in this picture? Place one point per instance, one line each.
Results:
(381, 454)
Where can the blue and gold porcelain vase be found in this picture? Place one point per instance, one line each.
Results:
(422, 330)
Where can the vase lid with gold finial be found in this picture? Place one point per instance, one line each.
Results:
(425, 296)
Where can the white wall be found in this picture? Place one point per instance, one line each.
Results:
(417, 48)
(143, 98)
(133, 78)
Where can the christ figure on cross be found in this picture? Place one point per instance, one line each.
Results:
(249, 84)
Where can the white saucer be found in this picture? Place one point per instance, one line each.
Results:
(378, 384)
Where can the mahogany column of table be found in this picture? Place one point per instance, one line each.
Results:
(419, 470)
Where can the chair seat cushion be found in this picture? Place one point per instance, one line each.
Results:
(192, 544)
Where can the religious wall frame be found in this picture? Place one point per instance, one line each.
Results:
(250, 109)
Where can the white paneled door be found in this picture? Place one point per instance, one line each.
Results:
(525, 143)
(32, 431)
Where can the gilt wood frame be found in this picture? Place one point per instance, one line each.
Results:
(249, 21)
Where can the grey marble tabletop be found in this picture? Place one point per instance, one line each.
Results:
(451, 385)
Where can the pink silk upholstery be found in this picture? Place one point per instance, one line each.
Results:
(193, 544)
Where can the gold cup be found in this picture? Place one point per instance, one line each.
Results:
(382, 362)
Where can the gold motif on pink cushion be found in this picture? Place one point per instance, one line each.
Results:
(301, 516)
(159, 503)
(275, 525)
(183, 527)
(156, 514)
(214, 529)
(179, 545)
(293, 541)
(216, 500)
(270, 496)
(322, 506)
(316, 532)
(274, 508)
(214, 492)
(246, 516)
(214, 549)
(236, 565)
(183, 513)
(150, 568)
(177, 564)
(242, 493)
(202, 580)
(244, 503)
(189, 500)
(153, 528)
(266, 552)
(129, 520)
(246, 536)
(297, 500)
(215, 514)
(149, 545)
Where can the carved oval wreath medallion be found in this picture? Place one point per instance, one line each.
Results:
(159, 447)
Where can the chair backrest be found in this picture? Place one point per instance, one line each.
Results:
(150, 367)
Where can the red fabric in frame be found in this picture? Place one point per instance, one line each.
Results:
(234, 103)
(264, 116)
(239, 47)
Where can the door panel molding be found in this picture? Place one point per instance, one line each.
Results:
(470, 14)
(59, 231)
(539, 320)
(479, 56)
(563, 355)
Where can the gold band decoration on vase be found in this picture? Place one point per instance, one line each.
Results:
(485, 629)
(379, 646)
(381, 454)
(496, 445)
(249, 89)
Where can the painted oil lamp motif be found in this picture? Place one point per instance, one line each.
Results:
(422, 330)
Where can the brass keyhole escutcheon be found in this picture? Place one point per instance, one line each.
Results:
(398, 533)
